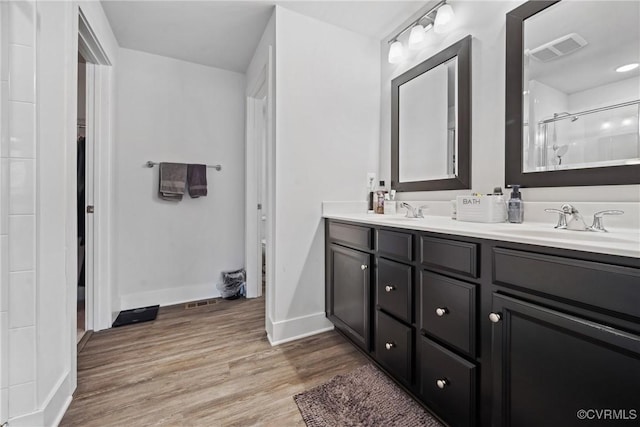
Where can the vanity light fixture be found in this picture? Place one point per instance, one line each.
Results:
(628, 67)
(396, 52)
(444, 18)
(439, 19)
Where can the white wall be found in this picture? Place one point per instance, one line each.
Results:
(327, 109)
(485, 21)
(175, 111)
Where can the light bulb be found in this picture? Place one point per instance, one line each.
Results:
(396, 52)
(416, 38)
(444, 18)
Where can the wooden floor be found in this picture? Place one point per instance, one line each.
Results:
(205, 366)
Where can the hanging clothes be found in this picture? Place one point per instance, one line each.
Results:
(81, 165)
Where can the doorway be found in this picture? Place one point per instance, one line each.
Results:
(260, 189)
(81, 169)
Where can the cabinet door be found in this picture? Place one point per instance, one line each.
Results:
(350, 283)
(554, 369)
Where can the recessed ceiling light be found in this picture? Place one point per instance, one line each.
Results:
(628, 67)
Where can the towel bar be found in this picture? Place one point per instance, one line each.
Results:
(151, 164)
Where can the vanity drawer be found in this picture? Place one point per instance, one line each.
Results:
(394, 288)
(394, 346)
(447, 384)
(351, 235)
(452, 255)
(395, 244)
(447, 310)
(610, 287)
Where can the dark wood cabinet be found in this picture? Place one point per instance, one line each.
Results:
(394, 347)
(549, 366)
(447, 383)
(563, 336)
(348, 293)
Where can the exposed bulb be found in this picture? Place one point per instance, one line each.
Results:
(396, 53)
(444, 18)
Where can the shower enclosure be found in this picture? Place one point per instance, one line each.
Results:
(596, 137)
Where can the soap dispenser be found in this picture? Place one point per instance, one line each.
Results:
(515, 208)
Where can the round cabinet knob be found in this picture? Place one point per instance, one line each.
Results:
(389, 345)
(495, 317)
(441, 311)
(442, 383)
(364, 267)
(389, 288)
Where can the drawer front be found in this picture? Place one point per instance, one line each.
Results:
(606, 286)
(447, 384)
(395, 244)
(351, 235)
(394, 288)
(459, 257)
(394, 346)
(447, 310)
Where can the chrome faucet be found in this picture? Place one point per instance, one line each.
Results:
(569, 218)
(413, 212)
(574, 218)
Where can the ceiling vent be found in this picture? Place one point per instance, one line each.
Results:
(559, 47)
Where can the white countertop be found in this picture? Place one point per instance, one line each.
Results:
(618, 241)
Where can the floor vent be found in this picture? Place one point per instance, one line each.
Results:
(200, 303)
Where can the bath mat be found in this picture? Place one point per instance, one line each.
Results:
(364, 397)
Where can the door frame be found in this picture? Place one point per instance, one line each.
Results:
(263, 81)
(98, 176)
(100, 113)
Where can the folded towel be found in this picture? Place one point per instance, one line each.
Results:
(197, 179)
(173, 181)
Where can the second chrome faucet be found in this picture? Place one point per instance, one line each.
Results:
(570, 218)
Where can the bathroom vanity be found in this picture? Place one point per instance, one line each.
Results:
(484, 327)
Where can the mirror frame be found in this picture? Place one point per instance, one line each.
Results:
(609, 175)
(462, 50)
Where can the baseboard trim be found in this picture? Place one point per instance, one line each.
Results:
(288, 330)
(54, 408)
(169, 296)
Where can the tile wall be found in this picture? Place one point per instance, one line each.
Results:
(17, 208)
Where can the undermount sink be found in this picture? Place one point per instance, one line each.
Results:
(587, 236)
(402, 218)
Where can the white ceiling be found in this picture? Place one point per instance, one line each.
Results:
(224, 34)
(611, 29)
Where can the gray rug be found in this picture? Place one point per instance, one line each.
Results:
(364, 397)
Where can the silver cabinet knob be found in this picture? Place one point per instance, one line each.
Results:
(389, 345)
(441, 311)
(495, 317)
(364, 267)
(389, 288)
(442, 383)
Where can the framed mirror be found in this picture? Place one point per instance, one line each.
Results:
(431, 123)
(573, 94)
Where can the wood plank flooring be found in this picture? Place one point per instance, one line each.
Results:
(205, 366)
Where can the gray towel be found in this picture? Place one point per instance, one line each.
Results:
(197, 180)
(173, 181)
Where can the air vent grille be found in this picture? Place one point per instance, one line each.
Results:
(200, 303)
(559, 47)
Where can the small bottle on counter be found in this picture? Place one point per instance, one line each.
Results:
(515, 207)
(379, 199)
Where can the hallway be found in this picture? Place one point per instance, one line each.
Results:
(206, 366)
